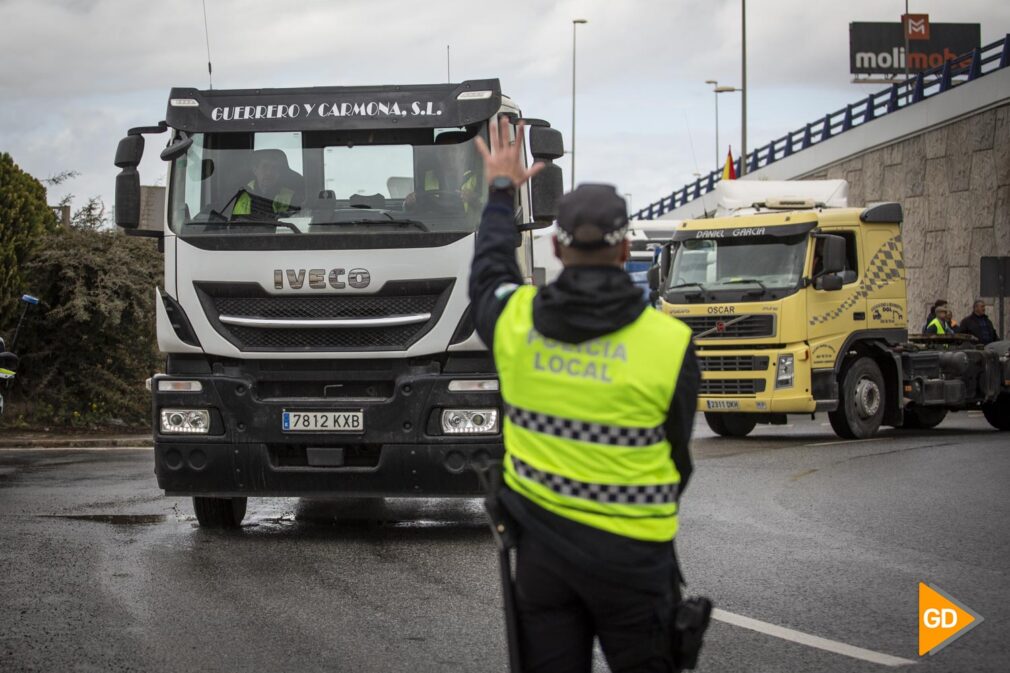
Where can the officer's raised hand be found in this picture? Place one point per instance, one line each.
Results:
(505, 158)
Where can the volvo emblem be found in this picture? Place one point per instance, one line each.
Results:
(321, 279)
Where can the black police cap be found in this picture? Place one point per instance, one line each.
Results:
(592, 216)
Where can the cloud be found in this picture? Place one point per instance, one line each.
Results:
(78, 73)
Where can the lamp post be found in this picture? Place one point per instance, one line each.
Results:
(716, 89)
(743, 88)
(575, 23)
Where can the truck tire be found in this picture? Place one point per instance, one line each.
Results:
(923, 418)
(997, 412)
(730, 425)
(219, 512)
(861, 407)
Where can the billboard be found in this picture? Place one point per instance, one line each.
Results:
(879, 48)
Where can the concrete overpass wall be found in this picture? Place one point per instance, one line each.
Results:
(954, 184)
(947, 161)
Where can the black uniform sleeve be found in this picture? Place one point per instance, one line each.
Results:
(494, 272)
(680, 419)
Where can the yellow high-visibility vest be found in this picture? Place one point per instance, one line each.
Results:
(583, 423)
(281, 201)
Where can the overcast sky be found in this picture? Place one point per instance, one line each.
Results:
(76, 74)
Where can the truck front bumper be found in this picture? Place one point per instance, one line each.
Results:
(738, 381)
(400, 451)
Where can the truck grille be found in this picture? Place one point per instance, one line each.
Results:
(249, 300)
(733, 363)
(732, 386)
(719, 327)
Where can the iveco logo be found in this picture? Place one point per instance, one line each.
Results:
(320, 279)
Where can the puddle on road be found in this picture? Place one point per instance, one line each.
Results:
(114, 519)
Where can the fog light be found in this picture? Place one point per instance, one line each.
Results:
(470, 421)
(169, 386)
(185, 421)
(473, 386)
(784, 376)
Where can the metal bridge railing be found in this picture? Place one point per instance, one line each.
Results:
(963, 68)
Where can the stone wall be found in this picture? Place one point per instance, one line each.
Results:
(954, 183)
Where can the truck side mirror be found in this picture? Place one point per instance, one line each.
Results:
(829, 282)
(128, 155)
(546, 144)
(832, 253)
(653, 276)
(664, 263)
(547, 186)
(177, 149)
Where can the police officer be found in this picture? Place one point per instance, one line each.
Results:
(599, 392)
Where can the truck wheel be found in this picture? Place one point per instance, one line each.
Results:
(923, 418)
(219, 512)
(997, 412)
(862, 405)
(730, 425)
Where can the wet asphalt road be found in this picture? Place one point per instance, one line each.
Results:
(790, 526)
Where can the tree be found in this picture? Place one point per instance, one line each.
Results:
(86, 354)
(25, 218)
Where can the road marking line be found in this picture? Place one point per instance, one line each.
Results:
(809, 640)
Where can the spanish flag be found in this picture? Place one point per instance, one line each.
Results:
(729, 170)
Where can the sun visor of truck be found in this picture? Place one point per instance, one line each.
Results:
(327, 108)
(883, 213)
(744, 232)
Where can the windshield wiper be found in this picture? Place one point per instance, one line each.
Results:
(247, 222)
(738, 281)
(391, 220)
(698, 285)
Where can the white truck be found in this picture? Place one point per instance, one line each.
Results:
(314, 315)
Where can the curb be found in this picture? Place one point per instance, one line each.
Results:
(77, 442)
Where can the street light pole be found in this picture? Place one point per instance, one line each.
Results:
(575, 23)
(743, 88)
(715, 92)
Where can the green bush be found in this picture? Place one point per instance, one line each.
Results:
(87, 349)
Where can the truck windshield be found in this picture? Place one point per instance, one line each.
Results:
(417, 180)
(753, 265)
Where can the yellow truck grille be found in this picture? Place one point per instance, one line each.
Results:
(733, 363)
(753, 326)
(732, 386)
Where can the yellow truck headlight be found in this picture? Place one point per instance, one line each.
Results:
(784, 375)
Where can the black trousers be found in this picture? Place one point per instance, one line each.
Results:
(562, 607)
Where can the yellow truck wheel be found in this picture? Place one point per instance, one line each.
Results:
(730, 425)
(861, 407)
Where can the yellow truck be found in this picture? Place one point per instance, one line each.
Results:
(799, 308)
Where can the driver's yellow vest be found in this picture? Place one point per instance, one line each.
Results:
(583, 423)
(935, 322)
(280, 202)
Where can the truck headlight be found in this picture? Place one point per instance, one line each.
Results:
(784, 375)
(179, 386)
(470, 421)
(185, 421)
